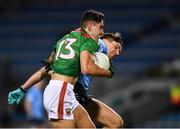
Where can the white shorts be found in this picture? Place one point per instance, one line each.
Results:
(59, 100)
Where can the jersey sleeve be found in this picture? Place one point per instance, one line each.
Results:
(90, 46)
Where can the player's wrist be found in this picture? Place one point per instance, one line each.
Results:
(22, 89)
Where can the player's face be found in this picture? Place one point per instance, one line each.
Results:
(97, 29)
(114, 49)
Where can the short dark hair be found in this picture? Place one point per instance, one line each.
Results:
(91, 15)
(113, 37)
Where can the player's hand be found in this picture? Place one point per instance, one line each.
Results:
(46, 64)
(112, 68)
(16, 96)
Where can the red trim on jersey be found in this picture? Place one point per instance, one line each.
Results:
(80, 30)
(87, 35)
(61, 101)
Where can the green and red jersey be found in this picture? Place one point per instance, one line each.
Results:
(67, 52)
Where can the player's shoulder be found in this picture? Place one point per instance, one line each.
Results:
(81, 34)
(102, 46)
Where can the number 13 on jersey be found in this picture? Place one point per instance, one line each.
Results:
(65, 50)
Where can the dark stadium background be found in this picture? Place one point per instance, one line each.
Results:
(147, 69)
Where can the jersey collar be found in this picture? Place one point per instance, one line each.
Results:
(102, 46)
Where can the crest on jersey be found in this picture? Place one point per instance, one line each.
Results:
(68, 111)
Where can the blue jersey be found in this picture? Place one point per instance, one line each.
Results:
(85, 80)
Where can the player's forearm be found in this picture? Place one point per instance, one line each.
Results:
(89, 67)
(36, 77)
(94, 70)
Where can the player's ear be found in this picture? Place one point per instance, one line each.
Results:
(89, 26)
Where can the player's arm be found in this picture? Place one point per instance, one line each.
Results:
(88, 67)
(35, 78)
(16, 96)
(39, 75)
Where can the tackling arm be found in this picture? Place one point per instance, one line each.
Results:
(35, 78)
(16, 96)
(39, 75)
(88, 67)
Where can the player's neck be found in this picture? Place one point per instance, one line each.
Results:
(86, 30)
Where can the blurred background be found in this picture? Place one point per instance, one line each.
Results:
(146, 88)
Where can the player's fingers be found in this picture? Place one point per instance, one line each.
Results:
(11, 99)
(18, 101)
